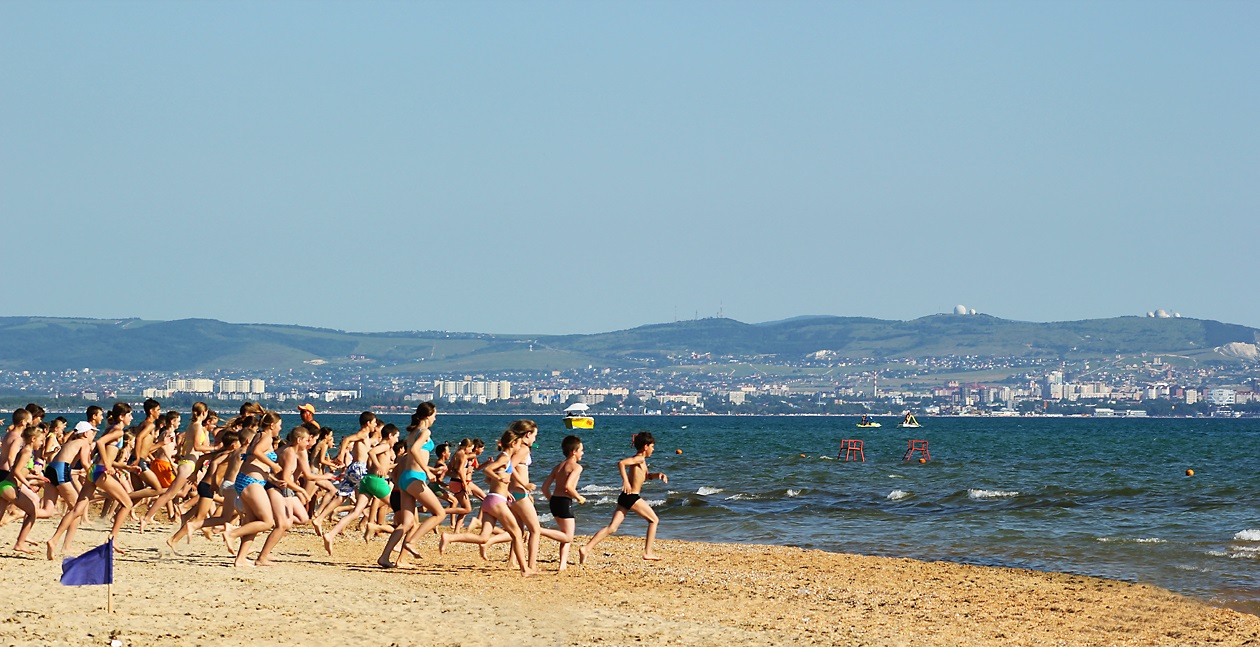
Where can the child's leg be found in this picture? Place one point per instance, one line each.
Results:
(284, 521)
(568, 527)
(644, 510)
(618, 516)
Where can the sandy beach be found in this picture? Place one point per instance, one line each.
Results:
(701, 594)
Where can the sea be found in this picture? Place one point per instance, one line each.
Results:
(1104, 497)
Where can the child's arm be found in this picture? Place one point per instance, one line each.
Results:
(625, 478)
(547, 482)
(570, 485)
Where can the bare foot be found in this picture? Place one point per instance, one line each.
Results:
(264, 562)
(118, 549)
(143, 523)
(242, 562)
(407, 547)
(385, 563)
(52, 552)
(482, 549)
(652, 557)
(529, 572)
(442, 544)
(582, 556)
(171, 543)
(328, 542)
(23, 549)
(319, 530)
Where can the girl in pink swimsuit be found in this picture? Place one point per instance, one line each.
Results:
(495, 507)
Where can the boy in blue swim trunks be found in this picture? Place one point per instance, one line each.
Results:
(634, 471)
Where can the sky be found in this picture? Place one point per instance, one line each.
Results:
(577, 167)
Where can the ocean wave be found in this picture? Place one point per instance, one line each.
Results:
(895, 476)
(655, 502)
(544, 518)
(1247, 535)
(741, 497)
(828, 458)
(601, 488)
(990, 494)
(897, 495)
(706, 490)
(1134, 540)
(792, 492)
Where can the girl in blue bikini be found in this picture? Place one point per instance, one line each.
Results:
(413, 488)
(252, 498)
(101, 476)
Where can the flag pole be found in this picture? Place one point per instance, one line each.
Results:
(109, 598)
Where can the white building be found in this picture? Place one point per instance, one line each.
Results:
(1221, 397)
(242, 386)
(190, 386)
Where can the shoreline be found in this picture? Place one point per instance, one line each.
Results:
(701, 594)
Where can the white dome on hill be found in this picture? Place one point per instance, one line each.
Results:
(960, 310)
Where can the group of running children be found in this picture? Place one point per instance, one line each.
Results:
(241, 479)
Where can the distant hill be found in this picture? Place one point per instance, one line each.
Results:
(31, 343)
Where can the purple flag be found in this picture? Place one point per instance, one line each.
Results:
(93, 567)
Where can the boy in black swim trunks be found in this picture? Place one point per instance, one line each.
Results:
(564, 480)
(634, 471)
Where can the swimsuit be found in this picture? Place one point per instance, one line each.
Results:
(373, 485)
(492, 500)
(58, 472)
(355, 472)
(456, 486)
(244, 480)
(205, 490)
(411, 476)
(627, 501)
(561, 507)
(517, 496)
(97, 471)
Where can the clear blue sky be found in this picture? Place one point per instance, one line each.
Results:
(583, 167)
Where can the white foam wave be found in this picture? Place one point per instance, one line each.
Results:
(990, 494)
(792, 492)
(706, 490)
(1216, 553)
(895, 476)
(828, 458)
(544, 518)
(897, 495)
(601, 488)
(1127, 540)
(741, 497)
(1247, 535)
(655, 502)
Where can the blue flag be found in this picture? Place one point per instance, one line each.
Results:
(93, 567)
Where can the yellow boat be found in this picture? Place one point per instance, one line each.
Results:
(575, 417)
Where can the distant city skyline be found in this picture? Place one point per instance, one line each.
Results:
(551, 168)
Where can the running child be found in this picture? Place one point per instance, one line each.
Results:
(560, 488)
(634, 471)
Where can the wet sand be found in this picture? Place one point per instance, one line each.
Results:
(700, 594)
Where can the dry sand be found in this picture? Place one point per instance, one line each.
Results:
(702, 594)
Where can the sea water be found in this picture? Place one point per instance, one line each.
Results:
(1102, 497)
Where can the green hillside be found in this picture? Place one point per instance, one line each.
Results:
(202, 344)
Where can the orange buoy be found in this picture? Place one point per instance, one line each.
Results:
(922, 460)
(1189, 472)
(677, 451)
(802, 456)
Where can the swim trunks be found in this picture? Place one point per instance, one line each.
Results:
(456, 486)
(161, 468)
(373, 485)
(627, 501)
(350, 480)
(205, 490)
(561, 507)
(395, 500)
(58, 472)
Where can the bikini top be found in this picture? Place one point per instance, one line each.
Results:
(428, 445)
(273, 456)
